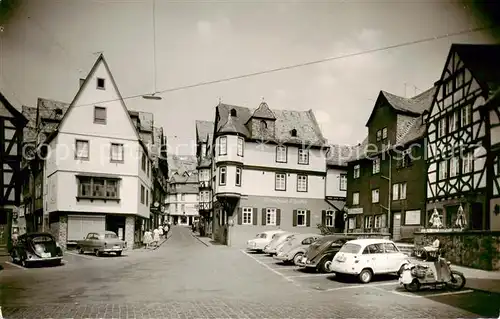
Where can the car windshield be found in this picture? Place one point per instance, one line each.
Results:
(350, 248)
(110, 236)
(41, 239)
(261, 236)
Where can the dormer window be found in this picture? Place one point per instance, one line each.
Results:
(293, 133)
(233, 112)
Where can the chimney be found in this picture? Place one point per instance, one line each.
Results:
(81, 82)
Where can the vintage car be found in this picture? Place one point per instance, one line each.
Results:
(365, 258)
(319, 255)
(101, 242)
(262, 239)
(294, 249)
(36, 248)
(278, 239)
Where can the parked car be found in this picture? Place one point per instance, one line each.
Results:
(295, 248)
(278, 239)
(34, 248)
(319, 255)
(367, 257)
(101, 242)
(262, 239)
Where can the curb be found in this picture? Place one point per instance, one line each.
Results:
(201, 241)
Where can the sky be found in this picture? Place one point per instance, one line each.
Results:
(46, 46)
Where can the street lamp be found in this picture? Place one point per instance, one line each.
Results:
(153, 96)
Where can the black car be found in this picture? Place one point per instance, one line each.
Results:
(35, 248)
(322, 251)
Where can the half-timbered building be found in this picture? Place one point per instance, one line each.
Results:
(457, 141)
(12, 123)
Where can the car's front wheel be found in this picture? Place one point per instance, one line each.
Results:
(324, 265)
(297, 258)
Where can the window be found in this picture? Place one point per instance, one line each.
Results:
(197, 197)
(233, 112)
(143, 194)
(82, 149)
(183, 208)
(271, 216)
(183, 197)
(356, 172)
(301, 183)
(375, 248)
(406, 158)
(376, 166)
(293, 133)
(149, 169)
(238, 176)
(443, 170)
(384, 133)
(147, 197)
(101, 83)
(343, 182)
(301, 217)
(467, 163)
(99, 115)
(281, 154)
(453, 121)
(280, 182)
(330, 218)
(116, 152)
(263, 125)
(355, 198)
(352, 223)
(454, 166)
(222, 176)
(222, 145)
(239, 150)
(303, 156)
(368, 221)
(442, 127)
(466, 115)
(247, 216)
(375, 195)
(399, 191)
(379, 135)
(379, 221)
(143, 162)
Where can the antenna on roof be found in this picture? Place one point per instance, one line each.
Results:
(220, 100)
(263, 100)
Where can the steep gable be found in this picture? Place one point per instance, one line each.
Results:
(263, 112)
(80, 115)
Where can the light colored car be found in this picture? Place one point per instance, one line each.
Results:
(295, 248)
(278, 239)
(367, 257)
(262, 239)
(101, 242)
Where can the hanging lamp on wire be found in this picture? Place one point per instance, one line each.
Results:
(153, 96)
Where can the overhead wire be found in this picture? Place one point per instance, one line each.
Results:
(304, 64)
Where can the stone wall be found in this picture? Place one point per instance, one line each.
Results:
(475, 249)
(62, 231)
(130, 231)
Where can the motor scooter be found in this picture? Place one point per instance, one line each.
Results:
(431, 270)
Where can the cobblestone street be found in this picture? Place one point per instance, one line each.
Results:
(186, 279)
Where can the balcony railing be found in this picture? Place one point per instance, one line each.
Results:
(205, 184)
(204, 205)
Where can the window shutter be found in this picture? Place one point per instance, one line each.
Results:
(383, 221)
(323, 217)
(263, 216)
(254, 215)
(308, 218)
(294, 217)
(240, 217)
(278, 217)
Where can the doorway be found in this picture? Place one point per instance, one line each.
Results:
(396, 227)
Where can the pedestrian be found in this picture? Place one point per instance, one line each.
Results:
(156, 237)
(160, 229)
(148, 238)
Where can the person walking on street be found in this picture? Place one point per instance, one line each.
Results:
(162, 233)
(148, 238)
(156, 237)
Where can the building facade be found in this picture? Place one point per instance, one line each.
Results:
(12, 123)
(160, 178)
(204, 133)
(183, 198)
(98, 172)
(492, 111)
(268, 172)
(386, 187)
(458, 139)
